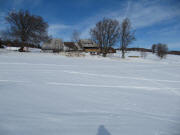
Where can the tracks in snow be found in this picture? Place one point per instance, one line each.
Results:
(122, 113)
(106, 86)
(120, 77)
(95, 85)
(32, 64)
(13, 81)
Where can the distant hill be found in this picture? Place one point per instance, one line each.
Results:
(138, 49)
(149, 50)
(174, 52)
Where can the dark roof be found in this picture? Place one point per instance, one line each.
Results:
(71, 45)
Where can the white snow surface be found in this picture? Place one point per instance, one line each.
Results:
(50, 94)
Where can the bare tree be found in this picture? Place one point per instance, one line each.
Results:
(5, 35)
(27, 28)
(76, 36)
(126, 35)
(105, 34)
(154, 48)
(162, 50)
(1, 43)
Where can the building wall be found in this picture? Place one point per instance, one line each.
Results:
(54, 44)
(92, 50)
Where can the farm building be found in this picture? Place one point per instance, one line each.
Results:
(111, 50)
(85, 45)
(57, 45)
(53, 44)
(89, 46)
(70, 46)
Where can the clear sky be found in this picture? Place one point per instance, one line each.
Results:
(154, 20)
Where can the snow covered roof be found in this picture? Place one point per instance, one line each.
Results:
(88, 43)
(52, 44)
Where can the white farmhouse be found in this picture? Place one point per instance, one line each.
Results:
(54, 45)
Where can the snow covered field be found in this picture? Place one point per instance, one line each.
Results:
(48, 94)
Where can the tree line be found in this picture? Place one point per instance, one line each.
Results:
(26, 28)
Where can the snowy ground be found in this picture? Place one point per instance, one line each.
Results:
(47, 94)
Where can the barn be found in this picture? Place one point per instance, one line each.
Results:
(89, 46)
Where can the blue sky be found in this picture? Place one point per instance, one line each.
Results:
(153, 20)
